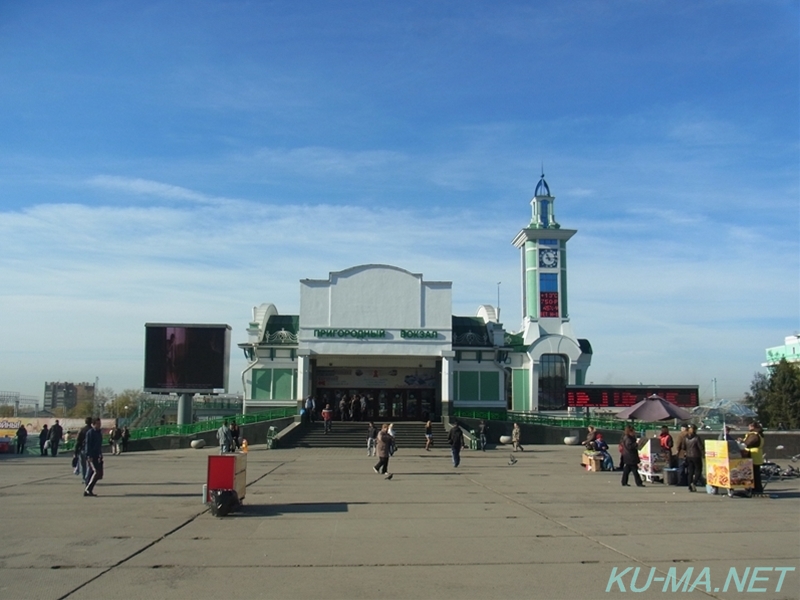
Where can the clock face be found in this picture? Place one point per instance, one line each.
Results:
(548, 258)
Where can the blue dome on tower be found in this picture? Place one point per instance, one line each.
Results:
(542, 189)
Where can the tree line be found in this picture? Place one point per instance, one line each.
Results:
(775, 396)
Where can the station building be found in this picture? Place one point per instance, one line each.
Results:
(386, 333)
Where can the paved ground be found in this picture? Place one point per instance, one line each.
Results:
(320, 524)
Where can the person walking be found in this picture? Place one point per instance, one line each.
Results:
(393, 446)
(116, 440)
(383, 443)
(80, 449)
(225, 438)
(630, 457)
(694, 450)
(311, 408)
(483, 434)
(94, 457)
(22, 438)
(456, 440)
(372, 433)
(515, 436)
(428, 436)
(44, 435)
(56, 433)
(327, 418)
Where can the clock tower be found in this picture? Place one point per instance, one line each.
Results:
(546, 329)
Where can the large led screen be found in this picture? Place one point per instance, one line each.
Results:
(606, 396)
(186, 358)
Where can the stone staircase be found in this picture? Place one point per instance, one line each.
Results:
(354, 435)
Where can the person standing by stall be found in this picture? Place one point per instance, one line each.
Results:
(630, 457)
(694, 450)
(22, 438)
(754, 442)
(666, 443)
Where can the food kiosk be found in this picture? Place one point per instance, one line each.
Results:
(653, 459)
(727, 469)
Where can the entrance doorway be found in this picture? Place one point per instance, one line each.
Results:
(380, 404)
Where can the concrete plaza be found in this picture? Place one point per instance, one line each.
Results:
(319, 523)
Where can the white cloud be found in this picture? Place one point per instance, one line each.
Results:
(80, 281)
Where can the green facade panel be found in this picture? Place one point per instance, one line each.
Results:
(273, 384)
(490, 386)
(520, 380)
(262, 384)
(283, 384)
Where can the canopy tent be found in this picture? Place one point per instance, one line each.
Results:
(654, 408)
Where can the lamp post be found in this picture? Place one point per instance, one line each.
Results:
(126, 414)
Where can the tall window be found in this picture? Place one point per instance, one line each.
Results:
(553, 379)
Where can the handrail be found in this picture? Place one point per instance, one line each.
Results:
(549, 420)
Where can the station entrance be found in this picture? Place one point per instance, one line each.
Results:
(378, 394)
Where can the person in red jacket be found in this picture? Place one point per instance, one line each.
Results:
(327, 417)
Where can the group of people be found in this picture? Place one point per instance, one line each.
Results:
(118, 439)
(228, 437)
(345, 408)
(686, 456)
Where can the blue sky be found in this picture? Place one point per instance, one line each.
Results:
(186, 161)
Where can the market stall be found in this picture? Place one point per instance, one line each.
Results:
(653, 459)
(727, 469)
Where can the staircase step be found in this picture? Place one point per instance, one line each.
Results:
(347, 434)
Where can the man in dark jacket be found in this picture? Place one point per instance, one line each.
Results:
(44, 434)
(483, 432)
(630, 457)
(56, 433)
(22, 438)
(80, 448)
(456, 439)
(94, 456)
(694, 449)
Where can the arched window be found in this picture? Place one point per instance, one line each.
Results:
(553, 379)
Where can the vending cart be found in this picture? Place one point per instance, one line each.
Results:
(727, 469)
(653, 459)
(226, 483)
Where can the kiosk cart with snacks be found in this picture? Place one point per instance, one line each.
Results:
(226, 483)
(652, 460)
(727, 469)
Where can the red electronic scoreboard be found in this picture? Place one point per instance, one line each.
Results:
(605, 396)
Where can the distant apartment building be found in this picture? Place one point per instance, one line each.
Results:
(66, 395)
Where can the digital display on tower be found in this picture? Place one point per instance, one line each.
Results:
(603, 396)
(186, 358)
(548, 304)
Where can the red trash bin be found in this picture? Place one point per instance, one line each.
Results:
(226, 482)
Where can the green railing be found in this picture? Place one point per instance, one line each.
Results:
(485, 414)
(551, 420)
(141, 433)
(212, 424)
